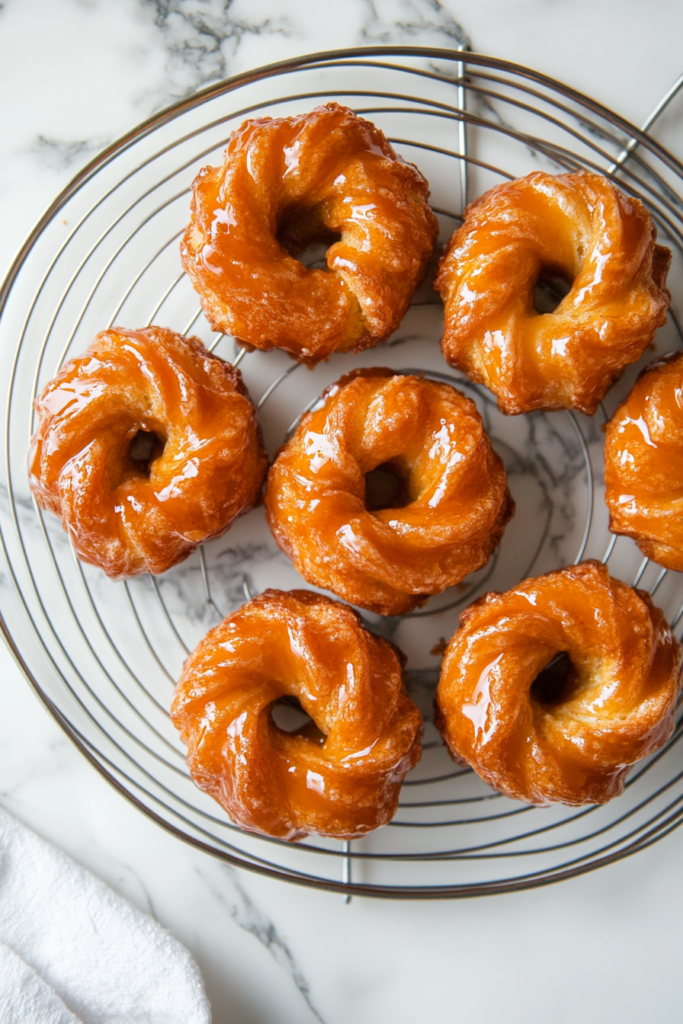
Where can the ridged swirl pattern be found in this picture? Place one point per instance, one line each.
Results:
(340, 774)
(576, 232)
(146, 446)
(324, 177)
(644, 463)
(455, 496)
(565, 732)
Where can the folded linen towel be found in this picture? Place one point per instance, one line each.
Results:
(24, 996)
(73, 951)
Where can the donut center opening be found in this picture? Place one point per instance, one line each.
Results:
(386, 487)
(552, 285)
(304, 235)
(289, 717)
(145, 448)
(555, 683)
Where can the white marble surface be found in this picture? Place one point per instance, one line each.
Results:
(75, 75)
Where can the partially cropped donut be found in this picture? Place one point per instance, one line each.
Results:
(644, 463)
(542, 730)
(340, 774)
(324, 177)
(523, 246)
(388, 491)
(146, 446)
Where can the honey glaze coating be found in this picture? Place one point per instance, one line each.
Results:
(543, 730)
(644, 463)
(527, 245)
(286, 183)
(441, 506)
(340, 774)
(146, 446)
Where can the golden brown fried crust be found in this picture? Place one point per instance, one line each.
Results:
(132, 510)
(329, 177)
(545, 737)
(577, 227)
(644, 463)
(339, 775)
(456, 500)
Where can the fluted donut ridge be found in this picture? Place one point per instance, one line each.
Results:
(578, 226)
(388, 560)
(208, 468)
(573, 745)
(298, 644)
(644, 463)
(326, 176)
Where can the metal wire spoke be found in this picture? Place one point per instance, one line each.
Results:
(468, 122)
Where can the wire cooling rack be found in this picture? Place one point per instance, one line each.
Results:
(104, 656)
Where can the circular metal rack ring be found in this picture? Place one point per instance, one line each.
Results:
(103, 657)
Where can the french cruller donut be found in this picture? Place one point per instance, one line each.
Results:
(644, 463)
(524, 246)
(388, 491)
(340, 774)
(146, 446)
(541, 728)
(326, 177)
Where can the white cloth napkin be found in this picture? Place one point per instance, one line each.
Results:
(73, 952)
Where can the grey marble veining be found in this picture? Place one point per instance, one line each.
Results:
(252, 919)
(411, 22)
(202, 38)
(62, 155)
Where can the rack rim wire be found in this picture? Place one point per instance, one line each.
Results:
(474, 74)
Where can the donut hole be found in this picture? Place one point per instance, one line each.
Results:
(550, 287)
(556, 683)
(386, 486)
(145, 447)
(314, 255)
(305, 236)
(288, 716)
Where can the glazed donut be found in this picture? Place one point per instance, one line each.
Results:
(340, 774)
(389, 491)
(644, 463)
(541, 731)
(146, 445)
(553, 233)
(324, 177)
